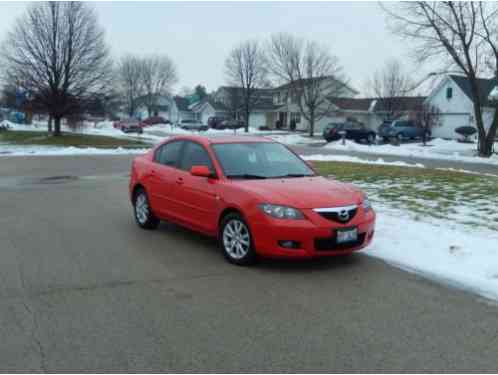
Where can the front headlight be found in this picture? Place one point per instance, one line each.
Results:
(281, 212)
(367, 206)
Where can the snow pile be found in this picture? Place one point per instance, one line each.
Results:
(293, 139)
(464, 258)
(435, 149)
(354, 159)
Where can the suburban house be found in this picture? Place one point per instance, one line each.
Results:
(452, 96)
(231, 98)
(174, 109)
(162, 106)
(180, 110)
(208, 107)
(285, 98)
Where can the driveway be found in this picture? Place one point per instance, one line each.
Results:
(83, 289)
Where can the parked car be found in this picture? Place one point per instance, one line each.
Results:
(154, 120)
(353, 131)
(255, 195)
(401, 129)
(192, 125)
(214, 122)
(232, 124)
(129, 126)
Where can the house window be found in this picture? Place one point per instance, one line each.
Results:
(449, 93)
(295, 116)
(277, 98)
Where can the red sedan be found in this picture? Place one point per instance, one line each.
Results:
(255, 195)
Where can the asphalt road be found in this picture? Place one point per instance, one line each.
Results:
(82, 288)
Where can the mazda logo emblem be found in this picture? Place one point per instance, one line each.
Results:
(344, 215)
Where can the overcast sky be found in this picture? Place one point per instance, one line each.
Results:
(199, 35)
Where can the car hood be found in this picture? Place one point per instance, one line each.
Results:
(306, 192)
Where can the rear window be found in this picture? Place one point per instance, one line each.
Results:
(169, 154)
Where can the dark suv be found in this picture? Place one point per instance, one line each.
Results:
(353, 131)
(401, 130)
(215, 122)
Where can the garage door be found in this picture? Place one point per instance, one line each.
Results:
(448, 123)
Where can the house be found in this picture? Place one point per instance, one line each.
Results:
(285, 98)
(453, 97)
(230, 98)
(208, 107)
(161, 107)
(180, 110)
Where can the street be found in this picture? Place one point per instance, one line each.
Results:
(82, 288)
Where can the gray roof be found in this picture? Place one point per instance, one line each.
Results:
(484, 86)
(181, 103)
(400, 103)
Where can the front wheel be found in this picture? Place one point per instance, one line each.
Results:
(236, 240)
(143, 213)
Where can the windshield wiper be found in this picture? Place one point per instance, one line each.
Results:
(290, 175)
(247, 176)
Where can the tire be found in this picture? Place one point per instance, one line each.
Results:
(370, 138)
(235, 240)
(142, 212)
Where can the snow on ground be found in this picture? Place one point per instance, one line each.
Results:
(462, 257)
(435, 149)
(7, 150)
(354, 159)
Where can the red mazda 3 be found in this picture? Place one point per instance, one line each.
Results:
(255, 195)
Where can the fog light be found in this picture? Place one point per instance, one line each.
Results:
(289, 244)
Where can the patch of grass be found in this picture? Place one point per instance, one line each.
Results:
(465, 198)
(67, 139)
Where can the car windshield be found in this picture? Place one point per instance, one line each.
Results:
(259, 160)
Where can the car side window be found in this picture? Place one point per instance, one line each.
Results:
(169, 154)
(195, 154)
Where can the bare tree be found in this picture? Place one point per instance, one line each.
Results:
(159, 75)
(459, 36)
(245, 67)
(388, 85)
(57, 53)
(313, 75)
(131, 82)
(427, 117)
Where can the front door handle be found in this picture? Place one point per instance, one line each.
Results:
(179, 181)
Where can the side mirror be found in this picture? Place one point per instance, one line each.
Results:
(200, 171)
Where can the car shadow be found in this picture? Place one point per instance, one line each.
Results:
(201, 242)
(314, 264)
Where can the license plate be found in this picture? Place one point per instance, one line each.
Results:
(347, 235)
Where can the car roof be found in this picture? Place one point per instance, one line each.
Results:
(218, 139)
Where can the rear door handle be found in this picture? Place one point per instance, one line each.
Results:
(179, 181)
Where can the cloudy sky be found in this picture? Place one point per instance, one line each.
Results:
(199, 35)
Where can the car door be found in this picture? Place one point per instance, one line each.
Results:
(197, 196)
(163, 176)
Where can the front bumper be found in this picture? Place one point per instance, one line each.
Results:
(315, 235)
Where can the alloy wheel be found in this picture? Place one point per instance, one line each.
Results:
(236, 239)
(142, 208)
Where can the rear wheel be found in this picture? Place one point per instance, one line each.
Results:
(236, 240)
(143, 213)
(371, 138)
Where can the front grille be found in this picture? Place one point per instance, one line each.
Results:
(336, 216)
(330, 243)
